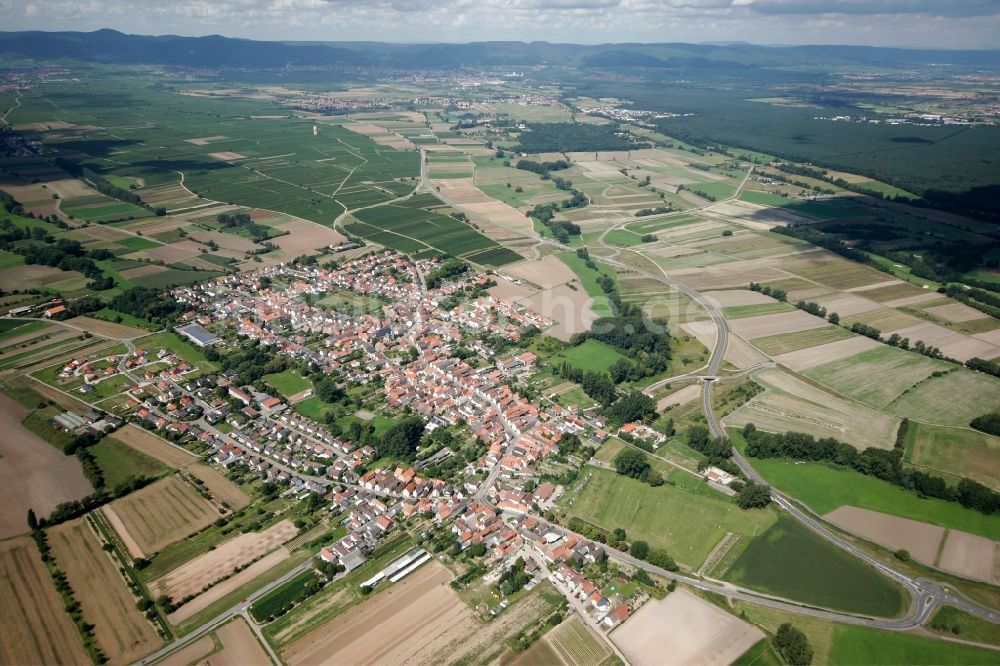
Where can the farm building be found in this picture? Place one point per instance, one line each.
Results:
(198, 335)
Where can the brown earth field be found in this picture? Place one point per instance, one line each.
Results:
(569, 308)
(106, 329)
(741, 354)
(31, 276)
(952, 344)
(33, 474)
(227, 155)
(955, 312)
(143, 271)
(36, 628)
(785, 322)
(55, 334)
(920, 539)
(546, 272)
(683, 629)
(192, 577)
(213, 594)
(122, 631)
(193, 653)
(680, 397)
(221, 488)
(153, 446)
(161, 513)
(419, 620)
(811, 357)
(305, 237)
(736, 297)
(970, 556)
(239, 647)
(171, 253)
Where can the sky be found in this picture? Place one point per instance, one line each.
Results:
(969, 24)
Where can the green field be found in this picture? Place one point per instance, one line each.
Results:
(953, 399)
(282, 596)
(588, 279)
(177, 345)
(119, 461)
(783, 343)
(12, 328)
(740, 311)
(623, 238)
(970, 627)
(861, 645)
(955, 451)
(896, 370)
(761, 654)
(793, 562)
(824, 489)
(288, 383)
(685, 524)
(10, 259)
(806, 208)
(592, 355)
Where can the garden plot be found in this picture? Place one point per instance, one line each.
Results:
(790, 404)
(684, 629)
(785, 322)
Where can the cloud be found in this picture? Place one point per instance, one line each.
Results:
(947, 8)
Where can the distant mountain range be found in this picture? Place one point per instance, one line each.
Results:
(111, 46)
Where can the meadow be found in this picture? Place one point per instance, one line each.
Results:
(685, 524)
(592, 355)
(119, 462)
(863, 645)
(288, 383)
(790, 561)
(824, 489)
(956, 452)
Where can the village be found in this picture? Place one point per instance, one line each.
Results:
(491, 497)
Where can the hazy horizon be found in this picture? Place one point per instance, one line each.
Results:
(968, 24)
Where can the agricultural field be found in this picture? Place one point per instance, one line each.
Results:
(573, 644)
(790, 561)
(855, 645)
(233, 644)
(38, 630)
(682, 629)
(156, 516)
(122, 632)
(953, 399)
(592, 355)
(955, 452)
(119, 461)
(685, 524)
(825, 488)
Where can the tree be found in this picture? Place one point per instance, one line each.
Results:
(400, 439)
(833, 318)
(327, 390)
(754, 496)
(793, 645)
(32, 520)
(633, 406)
(639, 549)
(630, 462)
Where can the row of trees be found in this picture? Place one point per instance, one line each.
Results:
(882, 464)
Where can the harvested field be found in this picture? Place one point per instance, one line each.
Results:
(122, 631)
(683, 629)
(785, 322)
(811, 357)
(36, 628)
(846, 304)
(917, 299)
(225, 241)
(161, 513)
(734, 274)
(680, 397)
(33, 473)
(239, 647)
(205, 140)
(969, 556)
(30, 276)
(784, 343)
(429, 624)
(884, 319)
(171, 254)
(791, 404)
(106, 329)
(143, 271)
(955, 312)
(193, 653)
(896, 369)
(920, 539)
(510, 291)
(951, 399)
(153, 446)
(703, 331)
(221, 488)
(305, 237)
(958, 452)
(951, 344)
(569, 308)
(741, 354)
(544, 273)
(227, 156)
(736, 297)
(213, 594)
(193, 576)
